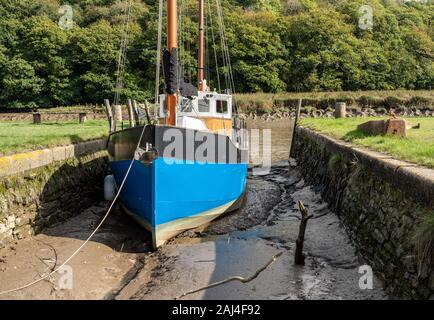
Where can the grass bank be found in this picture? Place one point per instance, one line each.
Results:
(418, 147)
(24, 136)
(267, 102)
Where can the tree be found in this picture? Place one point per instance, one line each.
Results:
(44, 46)
(19, 83)
(274, 45)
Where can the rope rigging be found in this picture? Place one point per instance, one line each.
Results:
(214, 45)
(122, 58)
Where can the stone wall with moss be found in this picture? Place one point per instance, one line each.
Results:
(386, 205)
(37, 198)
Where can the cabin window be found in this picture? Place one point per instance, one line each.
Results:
(222, 106)
(203, 105)
(186, 105)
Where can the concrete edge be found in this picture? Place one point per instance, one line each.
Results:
(22, 162)
(413, 180)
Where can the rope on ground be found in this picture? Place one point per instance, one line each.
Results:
(235, 278)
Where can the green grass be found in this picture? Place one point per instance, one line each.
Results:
(418, 147)
(24, 136)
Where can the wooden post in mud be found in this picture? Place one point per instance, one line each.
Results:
(297, 117)
(131, 114)
(299, 256)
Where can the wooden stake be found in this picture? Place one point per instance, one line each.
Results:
(297, 117)
(131, 114)
(136, 112)
(299, 256)
(118, 113)
(108, 110)
(148, 117)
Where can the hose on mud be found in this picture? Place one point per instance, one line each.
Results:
(92, 234)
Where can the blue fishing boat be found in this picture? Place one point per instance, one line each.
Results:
(191, 164)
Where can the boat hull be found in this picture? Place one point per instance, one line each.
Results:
(168, 197)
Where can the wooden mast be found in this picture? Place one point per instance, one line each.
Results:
(172, 44)
(201, 44)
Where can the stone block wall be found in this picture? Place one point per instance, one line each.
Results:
(381, 201)
(41, 188)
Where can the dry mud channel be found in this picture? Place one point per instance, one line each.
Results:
(118, 262)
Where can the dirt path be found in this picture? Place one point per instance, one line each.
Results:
(118, 263)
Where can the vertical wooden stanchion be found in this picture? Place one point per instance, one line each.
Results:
(297, 117)
(148, 117)
(118, 117)
(109, 112)
(118, 113)
(136, 112)
(131, 114)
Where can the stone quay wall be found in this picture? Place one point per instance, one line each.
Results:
(385, 204)
(44, 187)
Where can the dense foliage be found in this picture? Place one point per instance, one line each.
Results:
(275, 46)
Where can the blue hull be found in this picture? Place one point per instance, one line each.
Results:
(169, 198)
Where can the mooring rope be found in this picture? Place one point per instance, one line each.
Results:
(92, 234)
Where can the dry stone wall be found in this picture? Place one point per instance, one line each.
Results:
(41, 188)
(382, 202)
